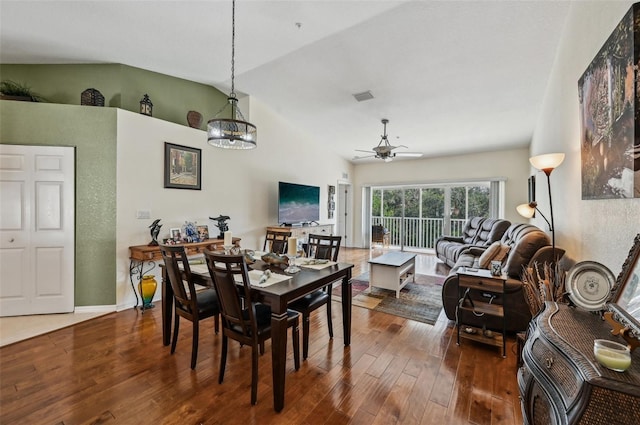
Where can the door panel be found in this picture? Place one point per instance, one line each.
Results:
(37, 230)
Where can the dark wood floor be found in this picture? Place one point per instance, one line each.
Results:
(114, 369)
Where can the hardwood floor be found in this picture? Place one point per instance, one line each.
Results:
(114, 369)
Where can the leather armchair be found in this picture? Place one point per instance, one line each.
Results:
(478, 231)
(525, 240)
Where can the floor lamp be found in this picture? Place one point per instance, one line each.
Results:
(545, 163)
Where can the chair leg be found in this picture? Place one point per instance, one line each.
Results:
(223, 358)
(217, 323)
(261, 348)
(305, 336)
(254, 375)
(329, 321)
(176, 327)
(296, 345)
(194, 344)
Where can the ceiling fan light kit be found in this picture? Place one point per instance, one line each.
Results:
(384, 149)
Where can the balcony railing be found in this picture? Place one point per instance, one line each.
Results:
(420, 233)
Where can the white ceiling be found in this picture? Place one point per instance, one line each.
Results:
(451, 76)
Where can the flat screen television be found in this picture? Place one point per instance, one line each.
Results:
(298, 203)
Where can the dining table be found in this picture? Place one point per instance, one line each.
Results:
(277, 296)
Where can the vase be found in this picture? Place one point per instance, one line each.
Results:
(194, 118)
(147, 288)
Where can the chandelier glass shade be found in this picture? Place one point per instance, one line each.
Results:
(234, 132)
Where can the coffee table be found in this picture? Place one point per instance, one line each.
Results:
(392, 271)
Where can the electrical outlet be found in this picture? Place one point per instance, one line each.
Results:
(143, 214)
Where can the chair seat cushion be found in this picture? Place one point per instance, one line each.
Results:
(208, 302)
(311, 301)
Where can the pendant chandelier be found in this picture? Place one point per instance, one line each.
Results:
(234, 132)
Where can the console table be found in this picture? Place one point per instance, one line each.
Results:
(140, 254)
(561, 382)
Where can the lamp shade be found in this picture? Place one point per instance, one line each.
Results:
(547, 161)
(526, 210)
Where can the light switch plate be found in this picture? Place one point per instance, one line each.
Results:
(143, 214)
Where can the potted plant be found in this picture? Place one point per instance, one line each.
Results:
(10, 90)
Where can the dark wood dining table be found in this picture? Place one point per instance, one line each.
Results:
(277, 296)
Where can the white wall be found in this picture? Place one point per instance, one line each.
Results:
(512, 165)
(596, 230)
(240, 184)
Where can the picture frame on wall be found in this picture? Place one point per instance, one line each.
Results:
(532, 189)
(182, 167)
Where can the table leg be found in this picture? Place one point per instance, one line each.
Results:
(346, 307)
(278, 354)
(167, 307)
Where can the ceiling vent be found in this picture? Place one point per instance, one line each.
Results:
(365, 95)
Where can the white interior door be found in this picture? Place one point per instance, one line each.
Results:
(37, 228)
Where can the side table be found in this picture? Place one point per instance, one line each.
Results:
(141, 254)
(481, 280)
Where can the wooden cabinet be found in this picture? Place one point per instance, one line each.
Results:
(301, 232)
(560, 380)
(481, 280)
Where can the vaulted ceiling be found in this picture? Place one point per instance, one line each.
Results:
(451, 76)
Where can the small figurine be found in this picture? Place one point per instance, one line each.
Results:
(222, 224)
(155, 230)
(274, 259)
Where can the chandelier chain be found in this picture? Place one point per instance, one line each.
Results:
(233, 48)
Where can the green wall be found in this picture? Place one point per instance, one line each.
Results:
(122, 86)
(92, 131)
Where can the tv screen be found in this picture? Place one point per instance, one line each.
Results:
(298, 203)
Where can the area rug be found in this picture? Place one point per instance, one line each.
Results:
(420, 301)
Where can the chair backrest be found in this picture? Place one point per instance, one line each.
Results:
(490, 231)
(377, 232)
(471, 229)
(276, 242)
(323, 247)
(225, 270)
(525, 240)
(184, 292)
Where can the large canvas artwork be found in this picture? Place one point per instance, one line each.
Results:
(609, 105)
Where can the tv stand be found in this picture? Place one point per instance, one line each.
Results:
(302, 231)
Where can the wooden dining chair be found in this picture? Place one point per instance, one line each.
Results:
(243, 320)
(188, 303)
(276, 242)
(321, 247)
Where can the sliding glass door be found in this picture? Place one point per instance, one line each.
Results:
(417, 215)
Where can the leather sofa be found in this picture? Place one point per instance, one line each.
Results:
(478, 231)
(524, 240)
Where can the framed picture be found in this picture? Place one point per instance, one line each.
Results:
(182, 167)
(175, 234)
(609, 106)
(532, 189)
(203, 231)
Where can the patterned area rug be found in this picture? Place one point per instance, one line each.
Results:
(420, 301)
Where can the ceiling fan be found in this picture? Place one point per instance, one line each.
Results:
(384, 149)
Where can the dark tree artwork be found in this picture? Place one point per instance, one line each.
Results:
(609, 108)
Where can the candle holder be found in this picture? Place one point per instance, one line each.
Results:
(292, 264)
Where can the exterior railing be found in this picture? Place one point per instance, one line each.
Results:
(420, 233)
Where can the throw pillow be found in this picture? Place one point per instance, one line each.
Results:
(488, 254)
(502, 253)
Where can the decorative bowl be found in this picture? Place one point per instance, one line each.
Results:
(612, 355)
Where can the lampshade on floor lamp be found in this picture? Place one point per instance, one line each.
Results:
(547, 163)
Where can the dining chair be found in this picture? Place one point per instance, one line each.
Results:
(244, 320)
(321, 247)
(276, 242)
(188, 303)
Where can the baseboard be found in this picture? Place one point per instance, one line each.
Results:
(95, 309)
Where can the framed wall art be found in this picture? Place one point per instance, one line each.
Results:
(609, 102)
(182, 167)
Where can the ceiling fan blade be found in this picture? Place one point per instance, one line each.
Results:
(360, 150)
(363, 157)
(409, 154)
